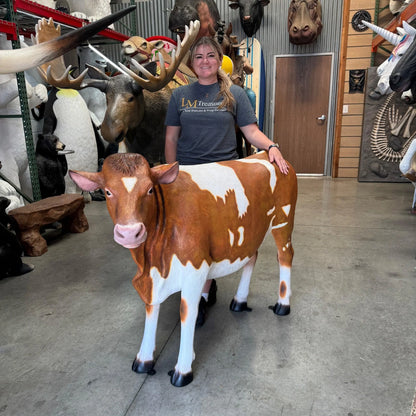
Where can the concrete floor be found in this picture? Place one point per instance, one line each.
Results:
(70, 330)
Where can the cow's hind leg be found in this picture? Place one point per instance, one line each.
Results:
(239, 302)
(144, 361)
(285, 257)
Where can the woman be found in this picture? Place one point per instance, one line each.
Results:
(201, 119)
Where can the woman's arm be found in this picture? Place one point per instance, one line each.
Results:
(171, 142)
(258, 139)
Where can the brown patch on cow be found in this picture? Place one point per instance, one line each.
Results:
(149, 309)
(144, 286)
(183, 310)
(283, 289)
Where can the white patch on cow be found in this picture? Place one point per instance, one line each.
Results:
(129, 183)
(231, 237)
(268, 166)
(219, 181)
(179, 274)
(286, 209)
(270, 211)
(241, 232)
(225, 267)
(279, 225)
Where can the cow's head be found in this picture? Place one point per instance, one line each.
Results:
(304, 21)
(251, 14)
(132, 192)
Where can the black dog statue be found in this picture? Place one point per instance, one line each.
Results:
(10, 249)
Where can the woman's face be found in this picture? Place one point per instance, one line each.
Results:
(205, 64)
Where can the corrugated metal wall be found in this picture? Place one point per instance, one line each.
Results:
(152, 19)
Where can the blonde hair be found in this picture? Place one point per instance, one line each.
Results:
(223, 79)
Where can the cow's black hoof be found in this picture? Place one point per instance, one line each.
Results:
(239, 306)
(179, 379)
(143, 367)
(280, 309)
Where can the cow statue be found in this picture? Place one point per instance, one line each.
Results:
(251, 14)
(184, 225)
(402, 43)
(185, 11)
(136, 106)
(304, 21)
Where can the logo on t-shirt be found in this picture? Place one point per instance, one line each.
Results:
(200, 106)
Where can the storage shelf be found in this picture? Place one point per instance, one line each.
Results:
(28, 13)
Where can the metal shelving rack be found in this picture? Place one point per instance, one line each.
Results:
(21, 17)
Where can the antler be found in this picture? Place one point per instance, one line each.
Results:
(65, 81)
(155, 83)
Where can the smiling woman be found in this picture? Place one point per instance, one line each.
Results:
(201, 122)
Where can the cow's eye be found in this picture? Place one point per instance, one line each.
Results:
(108, 193)
(130, 99)
(150, 191)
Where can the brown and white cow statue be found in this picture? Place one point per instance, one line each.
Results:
(184, 225)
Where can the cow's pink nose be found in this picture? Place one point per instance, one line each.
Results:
(130, 236)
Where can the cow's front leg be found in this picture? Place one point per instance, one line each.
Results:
(144, 361)
(239, 302)
(182, 375)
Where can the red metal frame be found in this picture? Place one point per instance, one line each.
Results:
(60, 17)
(9, 28)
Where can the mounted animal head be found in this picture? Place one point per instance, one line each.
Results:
(304, 21)
(185, 11)
(251, 14)
(124, 92)
(402, 43)
(18, 60)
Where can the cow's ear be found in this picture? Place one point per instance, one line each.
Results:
(87, 181)
(165, 173)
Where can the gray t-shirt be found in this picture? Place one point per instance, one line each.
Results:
(207, 133)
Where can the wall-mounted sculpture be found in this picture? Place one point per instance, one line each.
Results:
(304, 21)
(251, 14)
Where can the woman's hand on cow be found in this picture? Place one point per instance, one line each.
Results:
(276, 156)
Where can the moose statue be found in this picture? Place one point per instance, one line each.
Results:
(136, 106)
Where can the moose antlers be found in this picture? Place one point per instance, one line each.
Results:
(151, 83)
